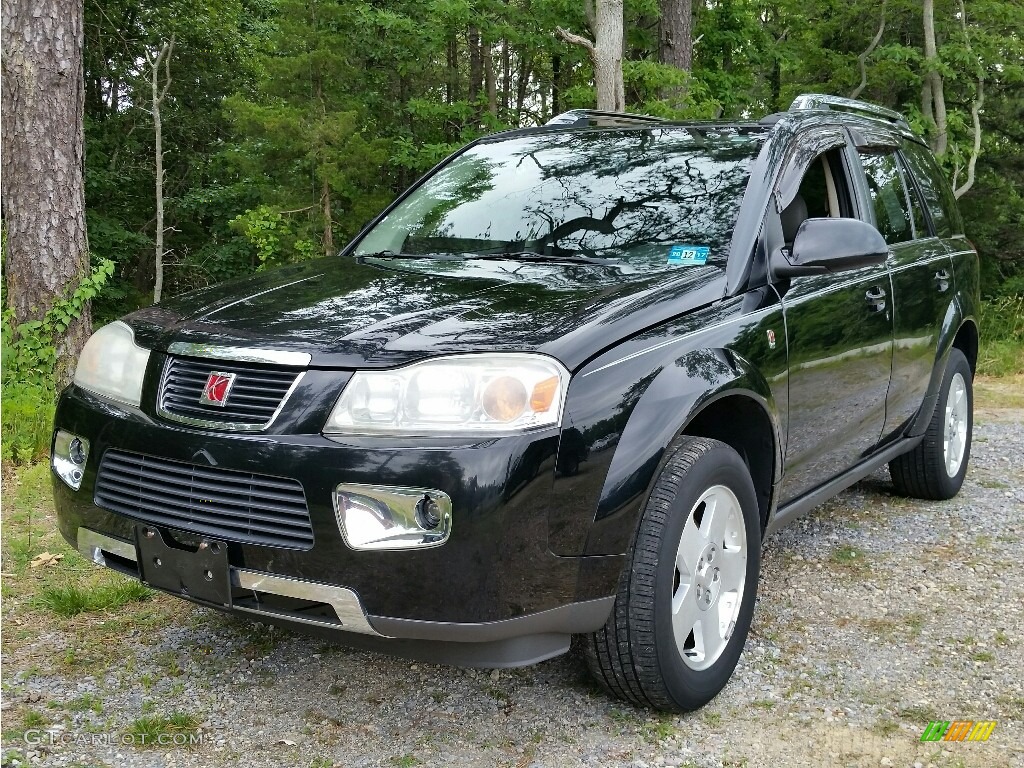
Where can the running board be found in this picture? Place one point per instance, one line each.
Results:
(802, 505)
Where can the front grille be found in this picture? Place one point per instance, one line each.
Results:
(221, 503)
(257, 393)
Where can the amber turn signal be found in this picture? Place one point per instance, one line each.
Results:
(544, 394)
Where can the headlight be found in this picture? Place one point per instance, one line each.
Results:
(112, 364)
(482, 394)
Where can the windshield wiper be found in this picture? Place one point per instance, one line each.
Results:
(541, 257)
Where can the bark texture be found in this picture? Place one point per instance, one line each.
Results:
(933, 98)
(606, 53)
(675, 44)
(43, 152)
(159, 94)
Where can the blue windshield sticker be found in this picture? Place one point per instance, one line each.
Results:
(688, 255)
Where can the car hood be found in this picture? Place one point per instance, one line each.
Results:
(377, 313)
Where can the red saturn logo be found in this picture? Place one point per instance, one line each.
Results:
(218, 387)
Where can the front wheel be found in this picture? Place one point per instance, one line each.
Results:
(936, 468)
(686, 596)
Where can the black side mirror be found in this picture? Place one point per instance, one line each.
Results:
(830, 245)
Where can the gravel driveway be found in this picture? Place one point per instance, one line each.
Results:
(876, 615)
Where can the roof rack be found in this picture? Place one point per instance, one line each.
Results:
(582, 117)
(840, 104)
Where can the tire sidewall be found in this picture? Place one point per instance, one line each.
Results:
(691, 688)
(950, 486)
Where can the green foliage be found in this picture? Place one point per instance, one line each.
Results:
(290, 123)
(28, 357)
(72, 599)
(1002, 336)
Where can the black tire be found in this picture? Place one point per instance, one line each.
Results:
(635, 655)
(923, 473)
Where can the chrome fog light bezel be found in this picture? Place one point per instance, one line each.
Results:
(387, 517)
(68, 458)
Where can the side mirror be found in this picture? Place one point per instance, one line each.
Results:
(830, 245)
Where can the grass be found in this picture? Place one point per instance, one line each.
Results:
(71, 599)
(174, 730)
(850, 559)
(1002, 337)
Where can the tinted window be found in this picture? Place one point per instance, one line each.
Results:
(888, 197)
(916, 210)
(938, 197)
(633, 195)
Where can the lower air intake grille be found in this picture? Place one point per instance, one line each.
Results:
(220, 503)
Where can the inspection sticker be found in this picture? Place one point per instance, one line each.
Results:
(688, 255)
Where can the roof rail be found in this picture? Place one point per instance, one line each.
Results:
(582, 117)
(840, 104)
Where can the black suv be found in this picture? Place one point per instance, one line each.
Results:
(564, 385)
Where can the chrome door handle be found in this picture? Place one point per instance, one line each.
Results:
(876, 298)
(942, 278)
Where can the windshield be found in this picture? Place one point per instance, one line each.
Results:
(664, 196)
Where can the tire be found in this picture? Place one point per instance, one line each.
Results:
(661, 647)
(935, 469)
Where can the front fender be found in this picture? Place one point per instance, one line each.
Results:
(678, 395)
(628, 412)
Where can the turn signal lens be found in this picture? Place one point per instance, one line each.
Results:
(544, 394)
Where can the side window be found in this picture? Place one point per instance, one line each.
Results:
(888, 197)
(938, 197)
(824, 192)
(916, 209)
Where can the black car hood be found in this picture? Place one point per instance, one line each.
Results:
(379, 313)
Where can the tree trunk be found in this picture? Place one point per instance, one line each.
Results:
(675, 44)
(43, 152)
(476, 69)
(556, 84)
(606, 53)
(611, 93)
(933, 99)
(490, 82)
(162, 58)
(325, 201)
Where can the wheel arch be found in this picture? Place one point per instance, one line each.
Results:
(730, 400)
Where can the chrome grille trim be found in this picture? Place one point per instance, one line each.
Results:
(249, 408)
(241, 354)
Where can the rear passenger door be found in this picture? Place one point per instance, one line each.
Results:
(922, 282)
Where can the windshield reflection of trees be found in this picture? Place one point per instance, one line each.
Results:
(627, 193)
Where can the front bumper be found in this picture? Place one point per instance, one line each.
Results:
(494, 591)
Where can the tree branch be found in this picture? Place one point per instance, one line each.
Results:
(862, 60)
(976, 105)
(575, 39)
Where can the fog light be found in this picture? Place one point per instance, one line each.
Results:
(389, 517)
(70, 452)
(428, 514)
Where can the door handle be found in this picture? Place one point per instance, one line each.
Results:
(876, 298)
(942, 278)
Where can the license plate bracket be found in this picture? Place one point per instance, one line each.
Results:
(201, 574)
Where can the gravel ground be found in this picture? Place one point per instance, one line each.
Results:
(876, 615)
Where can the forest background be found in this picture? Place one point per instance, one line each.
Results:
(222, 137)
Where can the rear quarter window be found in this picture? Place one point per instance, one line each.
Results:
(938, 197)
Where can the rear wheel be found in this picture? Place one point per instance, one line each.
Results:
(936, 468)
(686, 595)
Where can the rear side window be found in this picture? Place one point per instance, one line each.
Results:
(888, 197)
(938, 197)
(916, 211)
